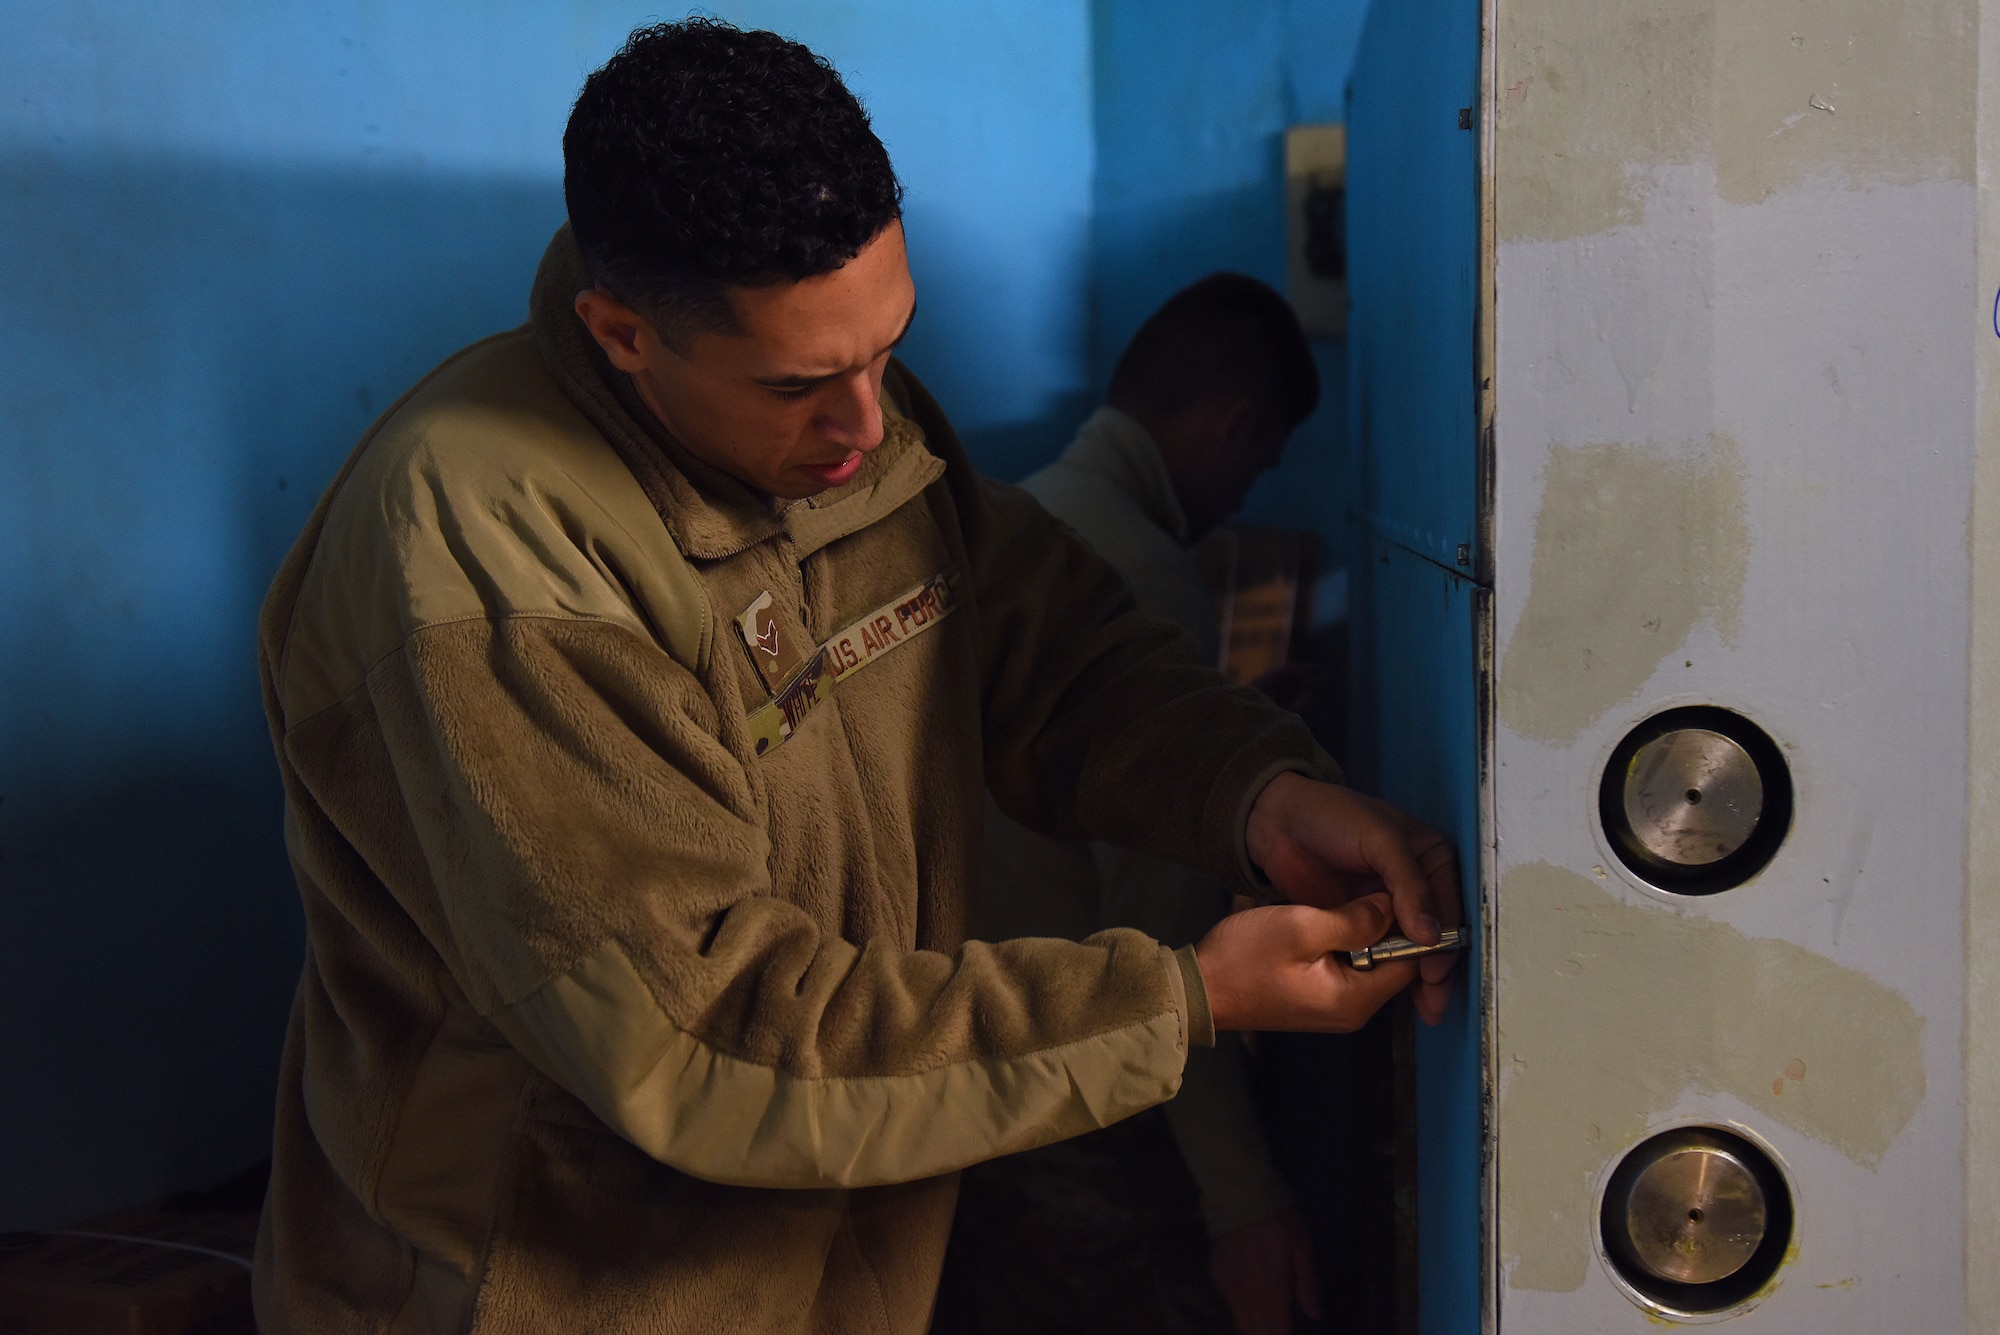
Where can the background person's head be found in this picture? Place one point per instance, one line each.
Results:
(741, 224)
(1221, 375)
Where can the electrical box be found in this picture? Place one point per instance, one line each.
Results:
(1316, 226)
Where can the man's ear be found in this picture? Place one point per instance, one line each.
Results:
(621, 331)
(1237, 423)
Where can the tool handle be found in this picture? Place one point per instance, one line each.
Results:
(1402, 948)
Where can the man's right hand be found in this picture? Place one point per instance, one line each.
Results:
(1322, 844)
(1274, 967)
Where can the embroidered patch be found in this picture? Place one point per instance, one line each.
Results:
(901, 619)
(776, 657)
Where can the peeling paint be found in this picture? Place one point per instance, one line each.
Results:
(1771, 93)
(1633, 547)
(1675, 1003)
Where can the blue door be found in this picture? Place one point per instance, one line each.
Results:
(1423, 591)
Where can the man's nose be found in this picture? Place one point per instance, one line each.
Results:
(852, 415)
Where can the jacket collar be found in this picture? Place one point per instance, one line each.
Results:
(1111, 445)
(710, 514)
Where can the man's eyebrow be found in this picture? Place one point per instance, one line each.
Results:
(808, 381)
(904, 332)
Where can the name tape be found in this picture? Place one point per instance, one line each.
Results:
(894, 623)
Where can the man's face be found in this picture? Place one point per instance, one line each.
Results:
(1262, 448)
(1229, 445)
(788, 401)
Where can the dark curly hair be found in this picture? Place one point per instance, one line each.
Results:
(702, 157)
(1226, 335)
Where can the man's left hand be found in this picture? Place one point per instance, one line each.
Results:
(1323, 844)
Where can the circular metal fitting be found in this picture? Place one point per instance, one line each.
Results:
(1696, 800)
(1693, 796)
(1695, 1213)
(1696, 1219)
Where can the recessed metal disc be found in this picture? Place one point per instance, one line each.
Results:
(1695, 1215)
(1692, 796)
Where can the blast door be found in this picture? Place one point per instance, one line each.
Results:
(1671, 334)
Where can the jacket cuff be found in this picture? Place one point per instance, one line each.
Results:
(1194, 1000)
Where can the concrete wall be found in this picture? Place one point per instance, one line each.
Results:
(230, 234)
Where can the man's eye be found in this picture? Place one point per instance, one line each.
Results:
(792, 394)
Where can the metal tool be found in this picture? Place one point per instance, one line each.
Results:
(1402, 948)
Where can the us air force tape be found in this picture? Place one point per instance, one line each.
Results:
(894, 623)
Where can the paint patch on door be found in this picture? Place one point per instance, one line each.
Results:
(1633, 547)
(1609, 1011)
(1597, 94)
(1858, 91)
(1606, 89)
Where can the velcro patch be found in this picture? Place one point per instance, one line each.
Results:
(895, 622)
(774, 653)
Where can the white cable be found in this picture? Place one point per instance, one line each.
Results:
(150, 1242)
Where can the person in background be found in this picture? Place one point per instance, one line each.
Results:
(1201, 403)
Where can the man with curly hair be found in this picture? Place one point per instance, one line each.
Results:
(637, 686)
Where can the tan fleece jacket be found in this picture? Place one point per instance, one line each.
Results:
(1113, 488)
(636, 999)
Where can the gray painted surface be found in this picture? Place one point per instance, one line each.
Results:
(1737, 299)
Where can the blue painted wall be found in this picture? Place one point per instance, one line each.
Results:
(1192, 101)
(230, 233)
